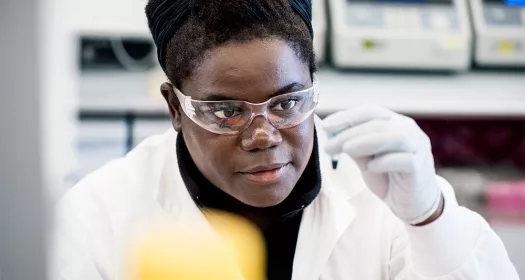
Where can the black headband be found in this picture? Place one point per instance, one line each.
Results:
(170, 15)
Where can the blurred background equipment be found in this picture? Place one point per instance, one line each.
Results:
(507, 197)
(99, 141)
(129, 54)
(320, 29)
(499, 27)
(401, 34)
(124, 18)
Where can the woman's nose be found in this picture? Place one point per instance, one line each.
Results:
(260, 135)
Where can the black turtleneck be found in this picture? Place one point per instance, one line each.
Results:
(279, 224)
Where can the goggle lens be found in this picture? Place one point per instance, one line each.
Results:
(232, 117)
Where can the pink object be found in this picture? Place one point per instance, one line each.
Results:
(506, 197)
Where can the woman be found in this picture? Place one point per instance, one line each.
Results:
(241, 98)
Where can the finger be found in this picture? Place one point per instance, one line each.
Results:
(376, 144)
(377, 183)
(393, 162)
(352, 117)
(334, 145)
(362, 163)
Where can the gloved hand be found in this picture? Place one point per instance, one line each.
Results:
(394, 156)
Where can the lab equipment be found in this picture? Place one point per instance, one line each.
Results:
(507, 197)
(116, 53)
(499, 27)
(98, 143)
(232, 116)
(109, 17)
(149, 127)
(401, 34)
(320, 29)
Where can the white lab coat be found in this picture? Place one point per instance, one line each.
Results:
(346, 233)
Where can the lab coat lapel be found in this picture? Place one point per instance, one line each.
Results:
(323, 223)
(172, 195)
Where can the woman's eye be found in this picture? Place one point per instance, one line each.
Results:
(285, 105)
(227, 113)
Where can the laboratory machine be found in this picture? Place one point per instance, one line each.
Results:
(134, 54)
(499, 27)
(401, 34)
(109, 18)
(320, 29)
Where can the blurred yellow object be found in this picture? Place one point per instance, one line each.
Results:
(506, 47)
(234, 250)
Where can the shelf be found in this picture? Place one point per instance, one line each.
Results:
(136, 105)
(468, 94)
(483, 94)
(110, 92)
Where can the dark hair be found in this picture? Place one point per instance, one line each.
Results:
(211, 23)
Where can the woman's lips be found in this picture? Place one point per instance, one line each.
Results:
(267, 176)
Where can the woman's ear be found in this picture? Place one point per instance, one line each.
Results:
(173, 104)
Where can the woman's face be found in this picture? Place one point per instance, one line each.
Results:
(261, 165)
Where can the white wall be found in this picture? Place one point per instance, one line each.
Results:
(59, 88)
(37, 126)
(22, 249)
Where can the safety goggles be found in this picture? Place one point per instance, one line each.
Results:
(232, 116)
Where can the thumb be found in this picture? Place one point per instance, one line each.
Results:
(362, 163)
(377, 183)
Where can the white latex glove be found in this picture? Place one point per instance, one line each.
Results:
(394, 156)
